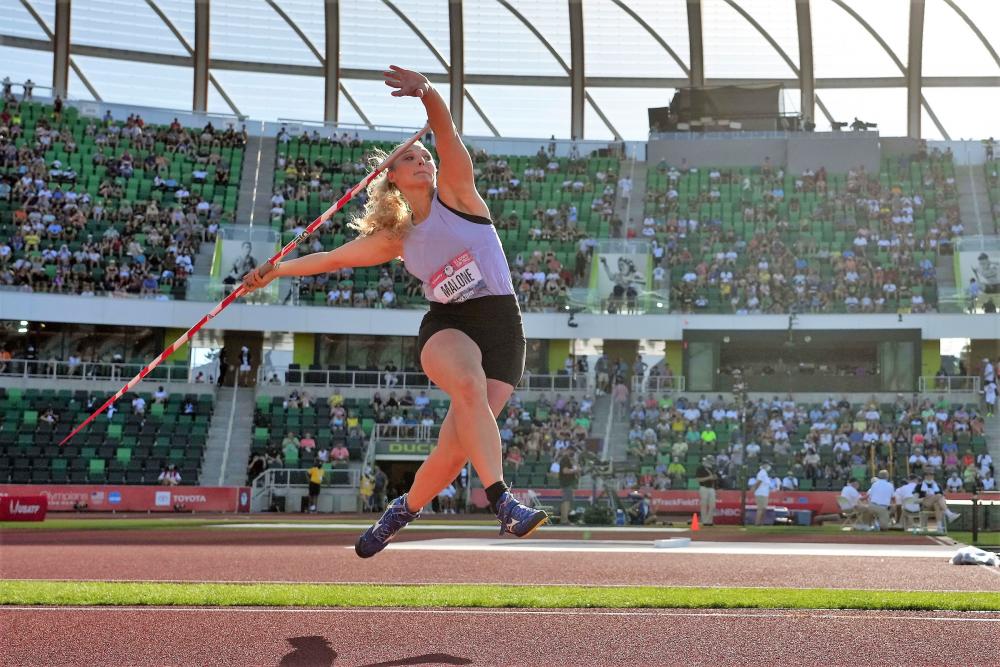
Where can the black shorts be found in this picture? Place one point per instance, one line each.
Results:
(313, 489)
(493, 322)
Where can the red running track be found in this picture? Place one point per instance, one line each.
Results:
(383, 638)
(227, 555)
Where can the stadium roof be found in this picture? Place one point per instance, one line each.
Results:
(518, 57)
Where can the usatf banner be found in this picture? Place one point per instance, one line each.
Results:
(23, 508)
(111, 498)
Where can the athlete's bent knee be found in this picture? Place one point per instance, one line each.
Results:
(469, 388)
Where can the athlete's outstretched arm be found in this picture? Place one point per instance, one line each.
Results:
(370, 250)
(456, 180)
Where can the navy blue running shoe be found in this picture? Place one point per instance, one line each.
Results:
(517, 519)
(394, 519)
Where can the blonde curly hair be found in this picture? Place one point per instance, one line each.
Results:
(386, 207)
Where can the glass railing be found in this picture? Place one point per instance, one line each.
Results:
(401, 380)
(91, 370)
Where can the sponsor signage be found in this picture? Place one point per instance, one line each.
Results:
(98, 498)
(23, 508)
(727, 506)
(388, 450)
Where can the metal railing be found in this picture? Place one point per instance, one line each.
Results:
(658, 384)
(399, 380)
(406, 432)
(949, 384)
(262, 488)
(90, 370)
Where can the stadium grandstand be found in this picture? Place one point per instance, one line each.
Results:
(764, 241)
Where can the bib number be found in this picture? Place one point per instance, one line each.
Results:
(457, 280)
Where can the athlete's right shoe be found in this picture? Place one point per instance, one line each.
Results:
(517, 519)
(394, 519)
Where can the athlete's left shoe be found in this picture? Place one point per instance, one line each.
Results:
(517, 519)
(394, 519)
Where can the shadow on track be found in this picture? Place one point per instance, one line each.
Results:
(313, 651)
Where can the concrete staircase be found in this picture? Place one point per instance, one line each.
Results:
(628, 208)
(973, 201)
(257, 184)
(203, 260)
(219, 467)
(614, 431)
(993, 438)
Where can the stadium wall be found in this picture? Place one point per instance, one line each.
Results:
(402, 322)
(838, 152)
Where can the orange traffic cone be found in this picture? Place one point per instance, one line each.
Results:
(694, 522)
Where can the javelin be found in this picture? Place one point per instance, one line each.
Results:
(239, 291)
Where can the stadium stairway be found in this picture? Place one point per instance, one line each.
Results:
(203, 261)
(993, 438)
(973, 201)
(256, 187)
(631, 210)
(240, 414)
(614, 431)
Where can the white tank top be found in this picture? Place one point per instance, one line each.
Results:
(457, 256)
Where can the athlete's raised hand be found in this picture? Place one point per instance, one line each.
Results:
(407, 82)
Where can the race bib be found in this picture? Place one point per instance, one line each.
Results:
(457, 280)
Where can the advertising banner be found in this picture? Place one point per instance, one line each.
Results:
(111, 498)
(686, 503)
(23, 508)
(727, 506)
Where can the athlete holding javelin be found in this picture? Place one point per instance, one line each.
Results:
(471, 342)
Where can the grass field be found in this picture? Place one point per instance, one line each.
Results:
(528, 597)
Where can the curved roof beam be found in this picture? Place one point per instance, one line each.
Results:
(975, 29)
(440, 58)
(187, 47)
(781, 52)
(655, 35)
(322, 61)
(899, 64)
(52, 37)
(562, 63)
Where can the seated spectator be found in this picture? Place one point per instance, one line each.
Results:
(307, 443)
(339, 455)
(139, 405)
(169, 476)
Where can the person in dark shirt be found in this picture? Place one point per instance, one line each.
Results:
(569, 475)
(708, 482)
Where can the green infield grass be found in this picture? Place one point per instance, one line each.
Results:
(28, 592)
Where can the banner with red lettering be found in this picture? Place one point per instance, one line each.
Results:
(111, 498)
(23, 508)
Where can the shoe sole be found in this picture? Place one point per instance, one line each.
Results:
(542, 521)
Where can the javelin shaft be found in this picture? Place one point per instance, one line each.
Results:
(239, 291)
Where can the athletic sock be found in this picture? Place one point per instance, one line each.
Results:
(493, 494)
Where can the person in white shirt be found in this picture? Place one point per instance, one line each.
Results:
(904, 497)
(761, 491)
(160, 395)
(854, 501)
(988, 483)
(932, 498)
(954, 483)
(139, 405)
(880, 496)
(789, 482)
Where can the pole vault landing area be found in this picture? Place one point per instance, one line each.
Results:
(677, 546)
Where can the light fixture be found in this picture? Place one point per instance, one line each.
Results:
(659, 304)
(22, 330)
(24, 323)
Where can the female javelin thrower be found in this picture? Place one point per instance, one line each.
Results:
(471, 342)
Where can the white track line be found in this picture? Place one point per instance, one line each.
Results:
(506, 584)
(697, 548)
(790, 613)
(458, 528)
